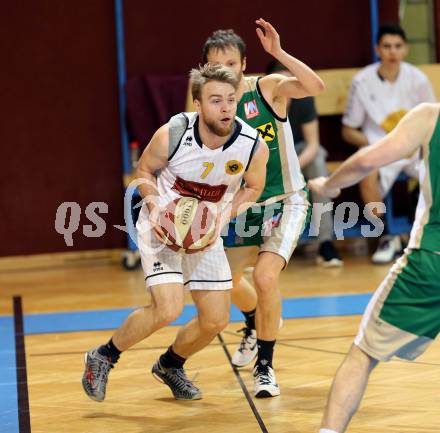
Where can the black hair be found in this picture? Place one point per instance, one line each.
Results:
(222, 39)
(274, 67)
(390, 29)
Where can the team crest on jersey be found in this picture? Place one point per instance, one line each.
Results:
(267, 131)
(251, 109)
(233, 167)
(391, 121)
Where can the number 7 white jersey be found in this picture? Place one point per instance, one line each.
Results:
(194, 170)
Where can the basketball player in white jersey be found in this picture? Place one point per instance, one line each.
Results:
(206, 154)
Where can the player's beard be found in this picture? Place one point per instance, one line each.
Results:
(217, 129)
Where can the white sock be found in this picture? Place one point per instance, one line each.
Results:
(326, 430)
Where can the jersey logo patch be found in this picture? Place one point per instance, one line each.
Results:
(251, 109)
(233, 167)
(267, 132)
(390, 122)
(201, 191)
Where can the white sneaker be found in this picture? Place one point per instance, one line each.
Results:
(265, 383)
(388, 248)
(247, 350)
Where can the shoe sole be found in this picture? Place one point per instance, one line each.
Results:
(264, 393)
(334, 263)
(246, 364)
(158, 378)
(188, 399)
(82, 383)
(243, 365)
(396, 255)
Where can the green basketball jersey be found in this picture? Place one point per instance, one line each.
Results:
(425, 233)
(283, 175)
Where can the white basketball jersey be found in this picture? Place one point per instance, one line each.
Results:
(213, 175)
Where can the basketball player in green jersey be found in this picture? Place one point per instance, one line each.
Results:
(267, 235)
(403, 316)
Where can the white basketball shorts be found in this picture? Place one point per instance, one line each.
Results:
(205, 270)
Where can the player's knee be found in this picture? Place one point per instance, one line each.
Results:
(214, 325)
(361, 359)
(168, 314)
(265, 282)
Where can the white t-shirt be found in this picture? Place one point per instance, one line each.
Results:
(376, 105)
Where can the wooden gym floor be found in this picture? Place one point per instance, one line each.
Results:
(41, 358)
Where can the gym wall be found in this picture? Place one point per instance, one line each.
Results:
(60, 133)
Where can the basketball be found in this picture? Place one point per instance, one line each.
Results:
(188, 224)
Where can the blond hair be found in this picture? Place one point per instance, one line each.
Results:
(210, 72)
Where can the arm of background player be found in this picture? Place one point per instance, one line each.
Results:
(424, 91)
(404, 139)
(353, 117)
(354, 136)
(255, 178)
(154, 158)
(310, 132)
(305, 82)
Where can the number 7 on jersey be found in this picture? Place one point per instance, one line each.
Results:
(208, 167)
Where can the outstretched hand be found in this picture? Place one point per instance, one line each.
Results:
(319, 186)
(269, 37)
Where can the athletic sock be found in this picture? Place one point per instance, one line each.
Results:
(265, 353)
(249, 317)
(171, 359)
(110, 351)
(326, 430)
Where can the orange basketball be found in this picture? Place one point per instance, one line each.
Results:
(188, 224)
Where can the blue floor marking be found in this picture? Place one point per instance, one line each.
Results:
(325, 306)
(8, 377)
(293, 308)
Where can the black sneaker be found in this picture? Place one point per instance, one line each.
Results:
(328, 256)
(181, 387)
